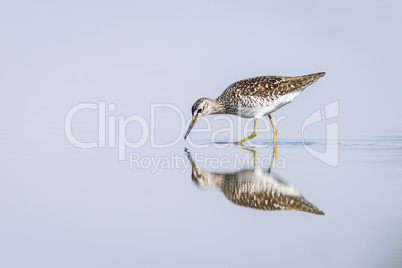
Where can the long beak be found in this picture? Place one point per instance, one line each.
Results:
(190, 127)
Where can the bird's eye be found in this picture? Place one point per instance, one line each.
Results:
(199, 110)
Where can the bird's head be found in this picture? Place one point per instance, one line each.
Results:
(200, 177)
(201, 108)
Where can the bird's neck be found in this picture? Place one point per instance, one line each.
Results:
(218, 107)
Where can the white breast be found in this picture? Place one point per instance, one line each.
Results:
(259, 111)
(259, 177)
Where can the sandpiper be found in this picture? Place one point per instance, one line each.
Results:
(254, 98)
(254, 188)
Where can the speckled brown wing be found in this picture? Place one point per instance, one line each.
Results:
(259, 196)
(265, 87)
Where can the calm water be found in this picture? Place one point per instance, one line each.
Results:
(62, 206)
(67, 206)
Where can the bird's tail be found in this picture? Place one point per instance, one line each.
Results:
(314, 77)
(307, 80)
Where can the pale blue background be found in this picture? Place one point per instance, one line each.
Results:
(66, 207)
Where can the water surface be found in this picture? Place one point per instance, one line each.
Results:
(100, 210)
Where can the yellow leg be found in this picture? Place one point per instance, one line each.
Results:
(252, 134)
(273, 158)
(254, 155)
(275, 132)
(274, 129)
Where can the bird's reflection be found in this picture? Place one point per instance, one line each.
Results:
(254, 188)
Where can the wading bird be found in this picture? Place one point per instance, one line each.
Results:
(253, 98)
(253, 188)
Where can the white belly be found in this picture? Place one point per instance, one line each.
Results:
(259, 111)
(263, 178)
